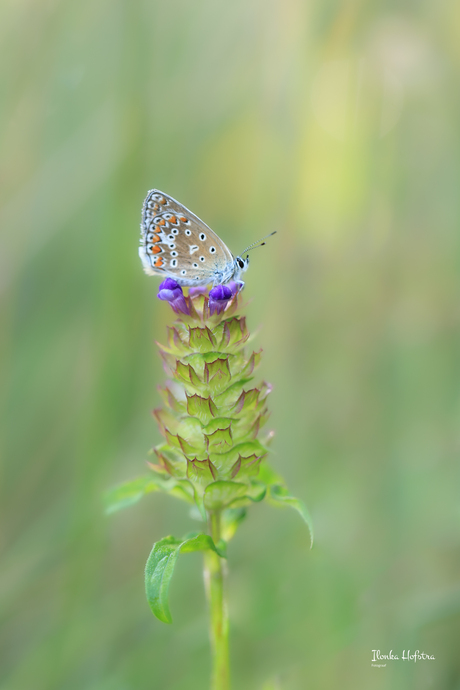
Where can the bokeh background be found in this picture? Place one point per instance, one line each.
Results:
(336, 124)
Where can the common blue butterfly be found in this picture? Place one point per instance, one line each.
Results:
(177, 244)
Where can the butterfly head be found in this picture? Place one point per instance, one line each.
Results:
(241, 266)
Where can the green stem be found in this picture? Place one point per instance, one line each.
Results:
(214, 579)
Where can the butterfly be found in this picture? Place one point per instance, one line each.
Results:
(177, 244)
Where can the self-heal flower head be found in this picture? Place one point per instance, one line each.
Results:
(171, 292)
(213, 451)
(219, 297)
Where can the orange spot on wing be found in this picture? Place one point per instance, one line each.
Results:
(159, 263)
(163, 200)
(156, 249)
(162, 222)
(156, 238)
(155, 207)
(174, 220)
(183, 219)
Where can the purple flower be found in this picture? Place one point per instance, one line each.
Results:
(171, 292)
(218, 298)
(235, 287)
(194, 291)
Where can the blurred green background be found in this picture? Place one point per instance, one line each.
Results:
(337, 124)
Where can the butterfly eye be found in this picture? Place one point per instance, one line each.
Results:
(173, 253)
(212, 250)
(188, 232)
(183, 272)
(240, 262)
(202, 258)
(202, 236)
(173, 263)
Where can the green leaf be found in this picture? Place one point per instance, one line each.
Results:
(202, 408)
(201, 471)
(217, 375)
(256, 490)
(268, 475)
(220, 439)
(201, 339)
(160, 567)
(220, 494)
(246, 467)
(234, 333)
(231, 520)
(129, 493)
(279, 494)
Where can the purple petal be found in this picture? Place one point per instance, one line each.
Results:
(171, 292)
(218, 298)
(220, 292)
(234, 287)
(169, 284)
(200, 290)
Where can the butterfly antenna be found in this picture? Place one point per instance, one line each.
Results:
(259, 243)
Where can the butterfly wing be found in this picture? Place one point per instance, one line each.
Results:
(176, 243)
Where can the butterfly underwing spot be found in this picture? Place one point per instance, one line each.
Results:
(188, 232)
(193, 248)
(202, 236)
(154, 249)
(202, 258)
(183, 272)
(183, 219)
(212, 250)
(173, 263)
(151, 237)
(195, 265)
(175, 231)
(171, 238)
(173, 253)
(159, 263)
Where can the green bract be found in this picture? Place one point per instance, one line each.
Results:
(213, 454)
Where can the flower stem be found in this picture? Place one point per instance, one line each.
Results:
(215, 585)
